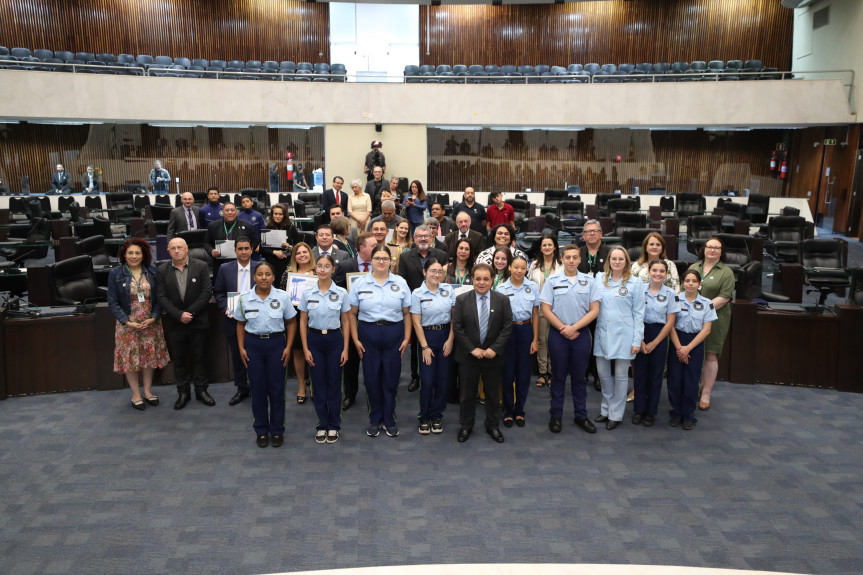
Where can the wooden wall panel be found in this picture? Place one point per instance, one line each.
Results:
(238, 29)
(608, 32)
(231, 158)
(678, 160)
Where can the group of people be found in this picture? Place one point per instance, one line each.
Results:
(91, 180)
(458, 296)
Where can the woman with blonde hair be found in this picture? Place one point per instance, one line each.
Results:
(302, 262)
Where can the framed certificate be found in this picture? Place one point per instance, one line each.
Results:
(297, 284)
(352, 276)
(274, 238)
(459, 289)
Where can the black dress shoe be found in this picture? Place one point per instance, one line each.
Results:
(688, 425)
(182, 400)
(648, 421)
(586, 425)
(519, 421)
(205, 398)
(263, 440)
(675, 421)
(278, 440)
(495, 434)
(601, 418)
(347, 403)
(414, 385)
(637, 419)
(555, 425)
(507, 422)
(238, 397)
(464, 435)
(611, 424)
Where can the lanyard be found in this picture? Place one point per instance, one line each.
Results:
(135, 281)
(497, 280)
(460, 278)
(227, 231)
(545, 272)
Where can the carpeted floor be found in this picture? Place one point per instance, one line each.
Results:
(768, 480)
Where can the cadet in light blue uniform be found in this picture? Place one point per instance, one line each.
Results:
(324, 330)
(570, 301)
(692, 327)
(263, 316)
(523, 342)
(381, 330)
(619, 331)
(660, 309)
(431, 314)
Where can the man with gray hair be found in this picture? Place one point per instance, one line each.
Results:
(90, 181)
(437, 240)
(411, 265)
(388, 215)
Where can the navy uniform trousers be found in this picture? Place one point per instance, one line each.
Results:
(267, 381)
(516, 370)
(434, 377)
(647, 371)
(683, 379)
(382, 365)
(326, 350)
(569, 357)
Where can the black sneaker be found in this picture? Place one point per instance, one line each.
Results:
(437, 426)
(424, 428)
(637, 419)
(648, 421)
(675, 422)
(278, 440)
(263, 440)
(373, 430)
(688, 425)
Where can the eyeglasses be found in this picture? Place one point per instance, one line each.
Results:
(323, 267)
(421, 236)
(592, 231)
(713, 247)
(434, 272)
(381, 260)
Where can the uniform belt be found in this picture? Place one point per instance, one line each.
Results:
(381, 322)
(325, 331)
(438, 327)
(521, 322)
(265, 335)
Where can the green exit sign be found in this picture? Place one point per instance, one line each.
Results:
(830, 142)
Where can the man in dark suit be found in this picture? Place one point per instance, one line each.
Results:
(335, 196)
(184, 290)
(90, 181)
(184, 217)
(61, 181)
(366, 242)
(229, 279)
(228, 228)
(480, 345)
(476, 239)
(411, 265)
(324, 244)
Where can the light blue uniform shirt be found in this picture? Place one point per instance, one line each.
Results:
(692, 316)
(620, 324)
(521, 300)
(267, 315)
(380, 302)
(324, 309)
(434, 308)
(656, 307)
(569, 302)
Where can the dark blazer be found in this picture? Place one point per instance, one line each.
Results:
(343, 268)
(178, 223)
(475, 238)
(598, 265)
(411, 268)
(328, 201)
(440, 245)
(226, 281)
(97, 183)
(216, 231)
(198, 292)
(465, 318)
(337, 254)
(119, 296)
(61, 181)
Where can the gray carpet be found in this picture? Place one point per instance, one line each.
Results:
(768, 480)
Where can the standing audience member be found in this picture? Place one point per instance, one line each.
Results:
(279, 257)
(463, 232)
(184, 217)
(523, 297)
(593, 256)
(139, 343)
(415, 205)
(660, 309)
(547, 264)
(235, 277)
(717, 285)
(375, 158)
(212, 211)
(400, 242)
(476, 211)
(570, 302)
(381, 330)
(249, 214)
(431, 313)
(302, 263)
(652, 249)
(691, 330)
(503, 236)
(160, 179)
(446, 223)
(324, 330)
(335, 196)
(265, 334)
(342, 241)
(458, 270)
(501, 260)
(376, 187)
(434, 226)
(184, 291)
(324, 245)
(619, 331)
(482, 322)
(359, 206)
(498, 212)
(230, 227)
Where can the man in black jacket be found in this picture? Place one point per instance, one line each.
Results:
(184, 291)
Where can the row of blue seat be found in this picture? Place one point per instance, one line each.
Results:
(61, 60)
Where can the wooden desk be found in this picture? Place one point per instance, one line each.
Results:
(818, 350)
(71, 353)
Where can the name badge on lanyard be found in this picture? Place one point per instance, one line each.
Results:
(141, 297)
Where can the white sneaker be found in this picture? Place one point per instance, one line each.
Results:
(332, 436)
(321, 436)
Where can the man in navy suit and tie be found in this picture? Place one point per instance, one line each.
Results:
(482, 322)
(335, 196)
(236, 276)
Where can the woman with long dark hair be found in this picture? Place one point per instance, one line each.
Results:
(280, 256)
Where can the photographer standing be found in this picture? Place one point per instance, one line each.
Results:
(374, 158)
